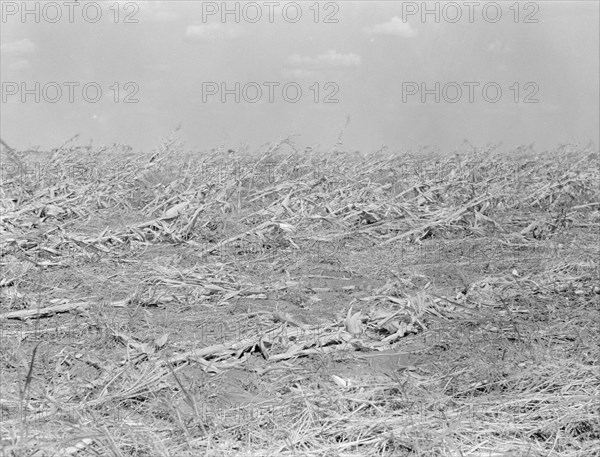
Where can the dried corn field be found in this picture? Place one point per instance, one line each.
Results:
(287, 302)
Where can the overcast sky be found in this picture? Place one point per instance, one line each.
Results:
(370, 60)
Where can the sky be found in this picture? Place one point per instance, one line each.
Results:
(231, 74)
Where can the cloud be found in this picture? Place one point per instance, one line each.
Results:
(101, 119)
(21, 64)
(157, 11)
(213, 32)
(394, 27)
(18, 48)
(498, 46)
(298, 73)
(331, 58)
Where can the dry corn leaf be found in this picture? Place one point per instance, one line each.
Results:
(175, 210)
(160, 342)
(353, 324)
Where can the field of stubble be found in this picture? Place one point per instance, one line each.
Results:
(300, 303)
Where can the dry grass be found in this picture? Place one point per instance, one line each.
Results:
(300, 303)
